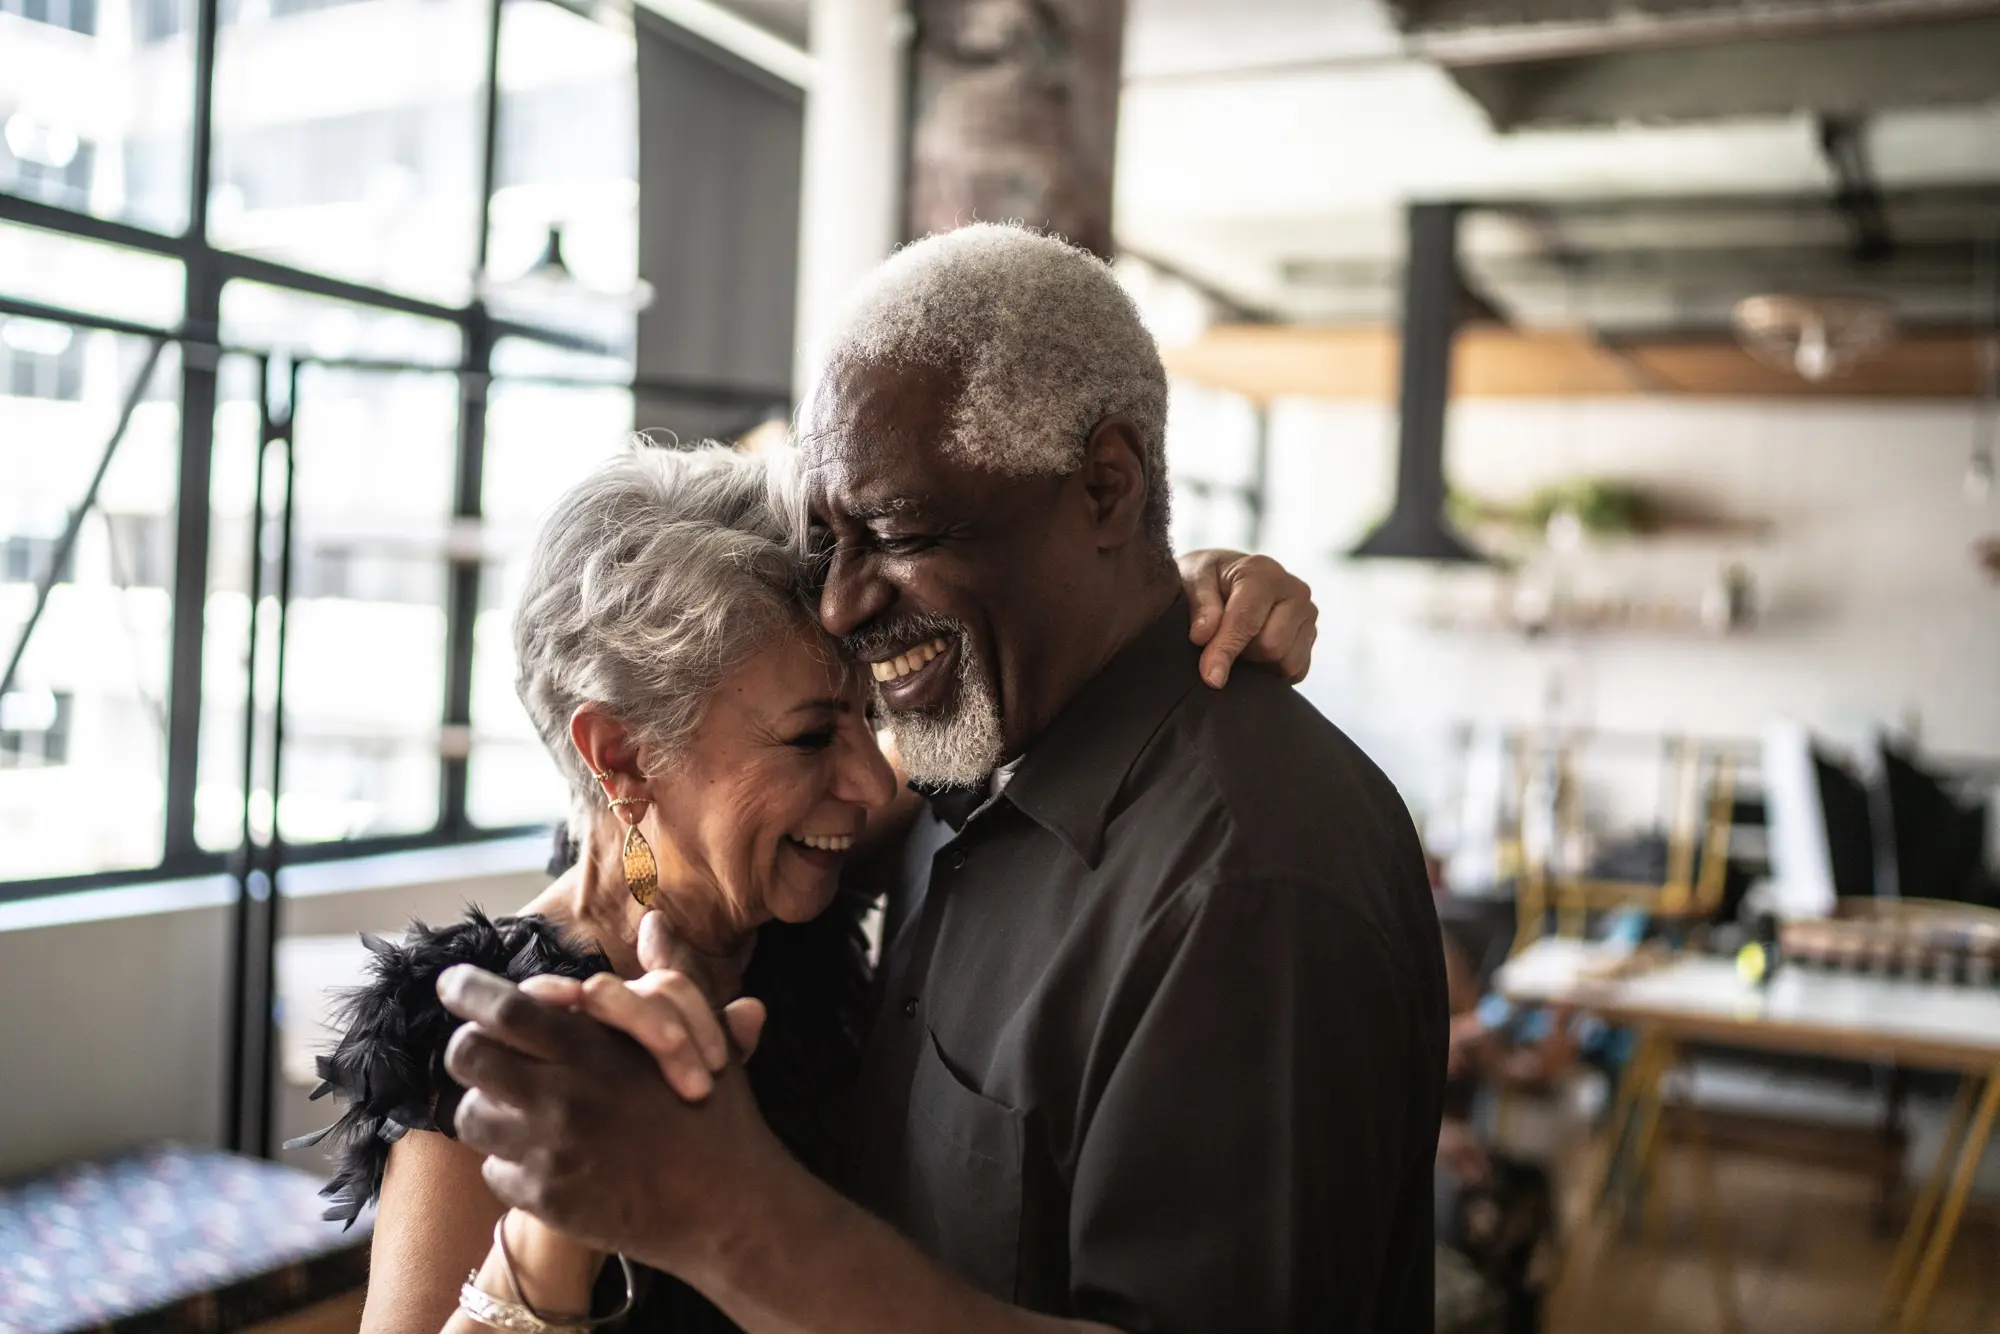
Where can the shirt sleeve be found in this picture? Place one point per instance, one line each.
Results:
(1259, 1157)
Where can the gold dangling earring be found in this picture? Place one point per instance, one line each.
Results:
(642, 873)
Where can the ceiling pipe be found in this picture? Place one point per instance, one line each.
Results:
(1843, 143)
(1417, 528)
(1622, 28)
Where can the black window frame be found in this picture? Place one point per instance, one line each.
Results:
(207, 270)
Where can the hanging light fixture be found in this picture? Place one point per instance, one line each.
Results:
(549, 281)
(1814, 337)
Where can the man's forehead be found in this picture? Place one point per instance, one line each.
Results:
(876, 402)
(875, 438)
(863, 484)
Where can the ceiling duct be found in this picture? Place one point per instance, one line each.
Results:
(1546, 64)
(1433, 288)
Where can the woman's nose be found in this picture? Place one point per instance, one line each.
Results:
(863, 775)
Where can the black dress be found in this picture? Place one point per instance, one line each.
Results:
(389, 1063)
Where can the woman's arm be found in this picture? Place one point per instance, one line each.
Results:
(435, 1218)
(433, 1225)
(541, 1269)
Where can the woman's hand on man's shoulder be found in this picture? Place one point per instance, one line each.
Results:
(1248, 607)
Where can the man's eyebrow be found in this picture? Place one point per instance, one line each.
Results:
(884, 508)
(816, 705)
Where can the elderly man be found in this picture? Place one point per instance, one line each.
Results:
(1162, 1033)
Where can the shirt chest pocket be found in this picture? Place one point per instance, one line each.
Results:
(963, 1202)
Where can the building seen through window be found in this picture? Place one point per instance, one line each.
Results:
(78, 16)
(86, 709)
(347, 143)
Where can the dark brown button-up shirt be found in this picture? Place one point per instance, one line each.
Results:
(1162, 1033)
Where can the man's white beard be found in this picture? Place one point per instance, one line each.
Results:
(961, 745)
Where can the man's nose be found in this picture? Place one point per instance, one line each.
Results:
(853, 594)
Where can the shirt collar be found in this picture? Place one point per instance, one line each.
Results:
(1072, 773)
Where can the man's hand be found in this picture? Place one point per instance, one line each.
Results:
(1249, 607)
(582, 1132)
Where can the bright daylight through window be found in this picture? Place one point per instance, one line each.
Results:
(325, 321)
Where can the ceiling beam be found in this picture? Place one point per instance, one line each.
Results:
(1941, 265)
(1466, 33)
(1974, 194)
(1266, 362)
(1850, 72)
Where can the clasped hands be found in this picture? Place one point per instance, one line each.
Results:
(616, 1112)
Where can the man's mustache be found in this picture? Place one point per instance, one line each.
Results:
(880, 638)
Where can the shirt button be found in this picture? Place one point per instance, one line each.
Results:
(958, 860)
(910, 1008)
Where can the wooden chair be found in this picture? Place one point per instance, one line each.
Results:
(1703, 783)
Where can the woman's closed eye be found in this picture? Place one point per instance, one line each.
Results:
(817, 739)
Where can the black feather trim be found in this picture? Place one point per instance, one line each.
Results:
(389, 1063)
(388, 1066)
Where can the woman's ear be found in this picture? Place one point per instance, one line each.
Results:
(605, 746)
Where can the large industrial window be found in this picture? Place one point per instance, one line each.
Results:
(279, 413)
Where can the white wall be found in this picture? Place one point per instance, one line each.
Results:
(1874, 608)
(115, 1002)
(114, 1034)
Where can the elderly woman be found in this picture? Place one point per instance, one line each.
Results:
(718, 749)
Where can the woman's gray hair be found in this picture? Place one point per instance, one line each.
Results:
(651, 581)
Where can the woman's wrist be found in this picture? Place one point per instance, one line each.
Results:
(549, 1272)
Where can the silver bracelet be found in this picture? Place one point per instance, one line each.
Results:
(478, 1304)
(519, 1316)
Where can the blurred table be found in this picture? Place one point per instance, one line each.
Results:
(1687, 999)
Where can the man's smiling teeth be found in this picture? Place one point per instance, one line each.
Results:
(900, 666)
(825, 842)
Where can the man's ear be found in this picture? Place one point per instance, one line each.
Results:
(604, 745)
(1114, 480)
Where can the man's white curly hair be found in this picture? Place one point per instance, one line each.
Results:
(1045, 341)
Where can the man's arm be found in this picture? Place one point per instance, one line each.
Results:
(583, 1133)
(1257, 1158)
(801, 1258)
